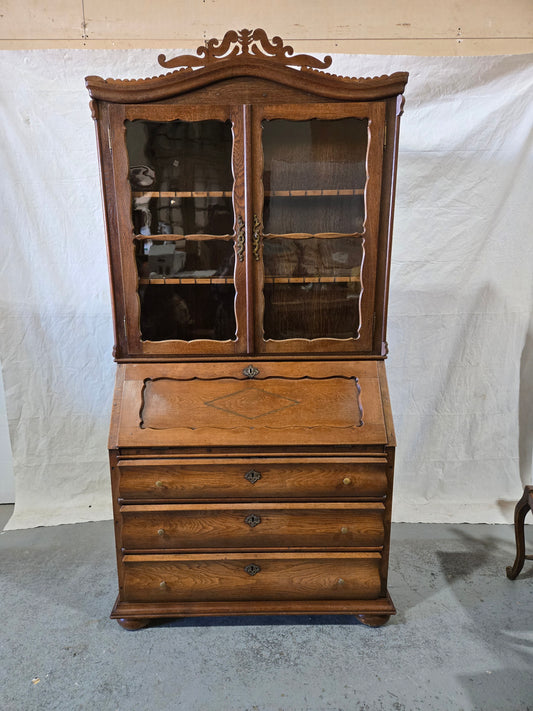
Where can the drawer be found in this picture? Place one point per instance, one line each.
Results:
(242, 526)
(263, 576)
(241, 480)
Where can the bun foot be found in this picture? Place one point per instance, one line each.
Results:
(132, 623)
(373, 620)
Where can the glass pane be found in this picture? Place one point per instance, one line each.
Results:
(181, 177)
(331, 311)
(187, 312)
(185, 258)
(314, 175)
(314, 257)
(182, 215)
(186, 289)
(312, 287)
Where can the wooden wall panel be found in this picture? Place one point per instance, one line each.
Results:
(401, 27)
(51, 22)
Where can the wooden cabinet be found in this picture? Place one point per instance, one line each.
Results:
(248, 201)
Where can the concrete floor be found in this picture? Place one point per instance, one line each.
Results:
(462, 639)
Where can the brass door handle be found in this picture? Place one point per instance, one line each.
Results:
(256, 238)
(241, 238)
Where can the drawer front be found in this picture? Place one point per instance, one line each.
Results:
(243, 480)
(197, 578)
(241, 526)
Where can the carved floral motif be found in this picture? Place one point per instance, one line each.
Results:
(246, 43)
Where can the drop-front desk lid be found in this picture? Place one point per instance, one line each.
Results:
(258, 404)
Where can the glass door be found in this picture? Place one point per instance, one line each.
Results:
(316, 203)
(182, 230)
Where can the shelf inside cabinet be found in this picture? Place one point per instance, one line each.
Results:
(186, 280)
(343, 192)
(348, 192)
(183, 194)
(312, 280)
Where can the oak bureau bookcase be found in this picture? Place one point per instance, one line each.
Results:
(248, 199)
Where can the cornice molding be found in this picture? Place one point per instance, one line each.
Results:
(245, 54)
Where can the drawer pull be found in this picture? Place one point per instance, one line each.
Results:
(163, 585)
(253, 520)
(252, 476)
(252, 569)
(344, 529)
(161, 532)
(159, 484)
(346, 481)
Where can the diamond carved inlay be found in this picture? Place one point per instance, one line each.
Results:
(252, 404)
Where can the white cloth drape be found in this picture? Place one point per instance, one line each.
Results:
(460, 371)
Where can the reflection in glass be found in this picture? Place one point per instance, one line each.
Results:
(185, 258)
(186, 289)
(181, 177)
(311, 310)
(312, 287)
(187, 312)
(313, 257)
(314, 175)
(182, 215)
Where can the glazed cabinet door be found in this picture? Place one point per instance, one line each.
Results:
(179, 195)
(316, 205)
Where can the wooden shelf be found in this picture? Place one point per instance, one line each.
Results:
(170, 281)
(183, 194)
(315, 193)
(312, 280)
(348, 192)
(267, 280)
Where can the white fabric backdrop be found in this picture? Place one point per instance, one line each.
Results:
(460, 335)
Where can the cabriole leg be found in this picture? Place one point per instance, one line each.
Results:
(521, 509)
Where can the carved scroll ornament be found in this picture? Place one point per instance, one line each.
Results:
(245, 43)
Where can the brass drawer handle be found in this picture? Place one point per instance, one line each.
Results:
(252, 476)
(252, 569)
(161, 532)
(163, 585)
(253, 520)
(347, 481)
(344, 529)
(159, 484)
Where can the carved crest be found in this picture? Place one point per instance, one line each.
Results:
(251, 44)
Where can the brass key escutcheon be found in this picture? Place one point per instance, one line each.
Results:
(253, 520)
(252, 476)
(252, 569)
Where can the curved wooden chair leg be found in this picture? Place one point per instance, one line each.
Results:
(521, 509)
